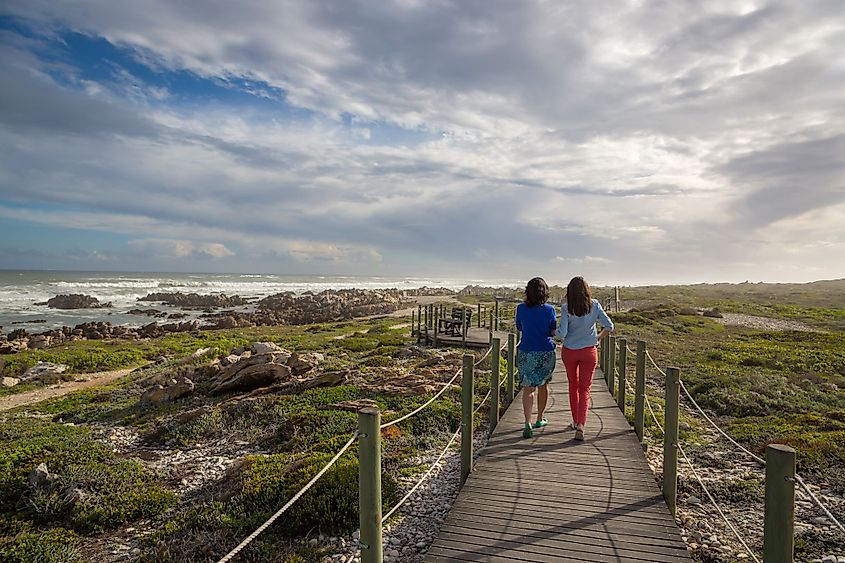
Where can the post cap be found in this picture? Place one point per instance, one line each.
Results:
(780, 448)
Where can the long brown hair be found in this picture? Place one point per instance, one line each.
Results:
(579, 297)
(536, 292)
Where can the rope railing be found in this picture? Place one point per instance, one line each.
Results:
(425, 404)
(289, 503)
(234, 552)
(435, 463)
(756, 458)
(716, 504)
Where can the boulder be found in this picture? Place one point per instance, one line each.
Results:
(692, 311)
(45, 372)
(41, 476)
(9, 381)
(174, 390)
(713, 313)
(13, 346)
(249, 377)
(75, 301)
(303, 363)
(194, 300)
(353, 405)
(268, 348)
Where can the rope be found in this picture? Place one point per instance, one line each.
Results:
(424, 477)
(716, 505)
(424, 405)
(288, 504)
(439, 458)
(818, 502)
(756, 458)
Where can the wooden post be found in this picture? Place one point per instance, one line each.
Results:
(623, 364)
(419, 319)
(511, 360)
(779, 511)
(490, 338)
(639, 394)
(670, 438)
(616, 299)
(496, 315)
(464, 327)
(611, 365)
(467, 394)
(495, 359)
(369, 484)
(436, 328)
(412, 322)
(601, 355)
(478, 315)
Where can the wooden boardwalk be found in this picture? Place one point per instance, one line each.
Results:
(550, 498)
(476, 338)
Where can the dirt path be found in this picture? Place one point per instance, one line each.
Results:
(36, 395)
(764, 323)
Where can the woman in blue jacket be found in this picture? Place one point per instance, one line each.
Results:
(536, 360)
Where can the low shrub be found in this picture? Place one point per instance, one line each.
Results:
(51, 546)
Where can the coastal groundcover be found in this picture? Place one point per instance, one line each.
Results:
(95, 492)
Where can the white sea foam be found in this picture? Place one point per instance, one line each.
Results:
(19, 291)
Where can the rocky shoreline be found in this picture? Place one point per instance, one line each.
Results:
(279, 309)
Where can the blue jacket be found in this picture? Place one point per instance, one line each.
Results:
(580, 332)
(537, 324)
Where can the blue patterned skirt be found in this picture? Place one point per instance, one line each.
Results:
(535, 368)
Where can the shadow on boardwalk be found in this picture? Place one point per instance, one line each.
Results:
(550, 498)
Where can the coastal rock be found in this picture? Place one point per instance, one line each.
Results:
(13, 346)
(714, 313)
(688, 311)
(175, 390)
(194, 300)
(303, 363)
(9, 381)
(40, 476)
(250, 377)
(147, 312)
(75, 301)
(45, 372)
(352, 405)
(268, 348)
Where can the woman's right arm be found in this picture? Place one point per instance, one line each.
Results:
(606, 323)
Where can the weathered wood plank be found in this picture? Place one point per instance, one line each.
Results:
(550, 498)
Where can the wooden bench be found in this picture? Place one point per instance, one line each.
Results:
(458, 323)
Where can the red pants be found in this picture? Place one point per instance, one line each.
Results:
(580, 365)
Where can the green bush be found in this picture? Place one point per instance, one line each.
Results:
(378, 361)
(358, 344)
(330, 506)
(52, 546)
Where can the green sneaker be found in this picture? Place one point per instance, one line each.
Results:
(541, 423)
(527, 432)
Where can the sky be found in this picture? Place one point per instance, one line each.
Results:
(629, 141)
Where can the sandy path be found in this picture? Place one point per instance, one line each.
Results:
(36, 395)
(764, 323)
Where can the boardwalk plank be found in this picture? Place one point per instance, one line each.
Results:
(549, 498)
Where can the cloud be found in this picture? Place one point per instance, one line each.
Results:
(173, 248)
(403, 137)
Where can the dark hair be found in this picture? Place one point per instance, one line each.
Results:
(536, 292)
(579, 297)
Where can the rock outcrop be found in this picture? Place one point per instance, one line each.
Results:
(195, 300)
(171, 391)
(265, 364)
(75, 301)
(45, 372)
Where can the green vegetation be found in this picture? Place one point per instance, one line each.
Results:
(301, 432)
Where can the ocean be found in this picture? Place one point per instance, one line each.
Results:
(21, 290)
